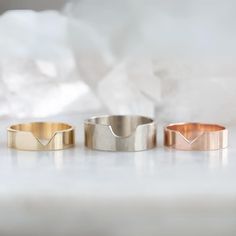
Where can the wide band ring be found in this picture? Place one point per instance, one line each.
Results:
(120, 133)
(195, 136)
(41, 136)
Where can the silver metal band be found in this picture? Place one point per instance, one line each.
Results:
(120, 133)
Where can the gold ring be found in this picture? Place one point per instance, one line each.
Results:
(195, 136)
(41, 136)
(120, 133)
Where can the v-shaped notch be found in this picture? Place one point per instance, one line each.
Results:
(191, 137)
(44, 141)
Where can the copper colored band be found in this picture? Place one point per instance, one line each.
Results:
(195, 136)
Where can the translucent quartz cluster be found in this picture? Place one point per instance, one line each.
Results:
(169, 59)
(38, 72)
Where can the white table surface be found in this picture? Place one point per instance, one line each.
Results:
(83, 192)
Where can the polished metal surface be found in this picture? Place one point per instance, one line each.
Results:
(120, 133)
(41, 136)
(196, 136)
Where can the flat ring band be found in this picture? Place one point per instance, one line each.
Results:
(195, 136)
(120, 133)
(40, 136)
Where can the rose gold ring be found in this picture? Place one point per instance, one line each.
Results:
(195, 136)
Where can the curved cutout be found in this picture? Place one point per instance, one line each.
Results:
(121, 126)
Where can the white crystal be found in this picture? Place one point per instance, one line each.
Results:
(130, 56)
(38, 67)
(122, 96)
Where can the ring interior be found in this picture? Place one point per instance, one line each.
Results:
(191, 130)
(121, 125)
(42, 130)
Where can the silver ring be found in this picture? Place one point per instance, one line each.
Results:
(120, 133)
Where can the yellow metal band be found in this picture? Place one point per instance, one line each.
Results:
(41, 136)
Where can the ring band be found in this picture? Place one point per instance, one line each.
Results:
(120, 133)
(195, 136)
(41, 136)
